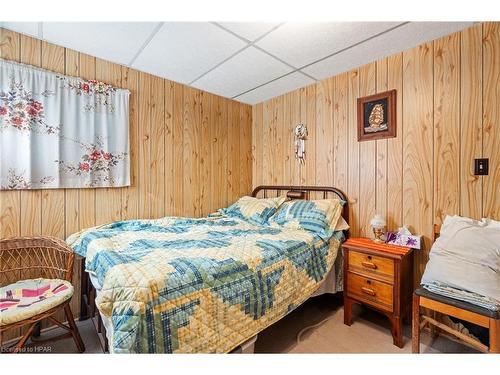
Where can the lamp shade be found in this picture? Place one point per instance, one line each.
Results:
(377, 222)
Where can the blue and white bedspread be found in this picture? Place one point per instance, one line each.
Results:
(177, 285)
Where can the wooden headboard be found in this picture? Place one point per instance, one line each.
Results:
(303, 192)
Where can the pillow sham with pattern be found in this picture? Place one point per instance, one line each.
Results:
(254, 210)
(315, 215)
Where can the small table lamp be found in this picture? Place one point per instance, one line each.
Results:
(378, 224)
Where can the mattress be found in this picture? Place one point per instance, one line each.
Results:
(177, 285)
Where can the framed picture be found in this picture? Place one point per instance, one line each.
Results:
(377, 116)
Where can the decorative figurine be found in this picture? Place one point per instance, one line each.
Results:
(378, 224)
(300, 147)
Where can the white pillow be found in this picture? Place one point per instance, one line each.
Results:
(341, 224)
(470, 239)
(491, 222)
(450, 220)
(466, 256)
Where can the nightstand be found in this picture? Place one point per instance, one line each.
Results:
(379, 276)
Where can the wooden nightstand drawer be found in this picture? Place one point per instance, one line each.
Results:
(370, 291)
(368, 264)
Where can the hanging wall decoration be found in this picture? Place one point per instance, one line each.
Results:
(300, 133)
(61, 132)
(377, 116)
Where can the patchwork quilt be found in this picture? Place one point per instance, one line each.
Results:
(177, 285)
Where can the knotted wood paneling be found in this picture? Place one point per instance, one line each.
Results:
(191, 151)
(448, 113)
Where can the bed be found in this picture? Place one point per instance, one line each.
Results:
(201, 285)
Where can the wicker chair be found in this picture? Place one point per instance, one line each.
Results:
(32, 258)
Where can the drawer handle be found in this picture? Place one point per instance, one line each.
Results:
(369, 265)
(369, 291)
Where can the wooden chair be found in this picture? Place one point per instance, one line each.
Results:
(50, 261)
(438, 304)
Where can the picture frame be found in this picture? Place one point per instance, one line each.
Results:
(377, 116)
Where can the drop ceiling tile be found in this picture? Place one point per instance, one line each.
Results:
(114, 41)
(249, 30)
(182, 51)
(280, 86)
(246, 70)
(300, 44)
(28, 28)
(397, 40)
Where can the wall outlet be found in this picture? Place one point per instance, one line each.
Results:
(481, 167)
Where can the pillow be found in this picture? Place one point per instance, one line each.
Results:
(466, 256)
(341, 224)
(316, 215)
(491, 223)
(253, 210)
(452, 220)
(469, 239)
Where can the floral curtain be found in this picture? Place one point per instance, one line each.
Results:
(61, 132)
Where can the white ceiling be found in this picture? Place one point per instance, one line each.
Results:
(246, 61)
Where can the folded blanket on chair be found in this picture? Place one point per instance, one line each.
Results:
(463, 295)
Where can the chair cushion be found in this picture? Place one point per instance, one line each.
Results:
(422, 292)
(27, 298)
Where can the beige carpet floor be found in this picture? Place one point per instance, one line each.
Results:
(369, 333)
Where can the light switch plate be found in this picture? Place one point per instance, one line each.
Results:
(481, 167)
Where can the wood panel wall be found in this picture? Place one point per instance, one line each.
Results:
(448, 113)
(190, 151)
